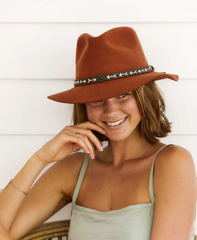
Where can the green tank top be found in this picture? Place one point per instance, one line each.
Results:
(132, 222)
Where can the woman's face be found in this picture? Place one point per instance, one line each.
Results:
(119, 116)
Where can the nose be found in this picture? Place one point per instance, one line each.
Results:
(111, 107)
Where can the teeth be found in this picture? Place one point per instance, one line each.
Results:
(115, 123)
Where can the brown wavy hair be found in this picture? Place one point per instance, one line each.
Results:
(154, 123)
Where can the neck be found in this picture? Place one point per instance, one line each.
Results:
(133, 147)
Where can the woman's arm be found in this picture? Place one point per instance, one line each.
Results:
(50, 193)
(4, 234)
(175, 195)
(47, 196)
(11, 198)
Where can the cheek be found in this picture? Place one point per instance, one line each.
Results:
(92, 114)
(132, 107)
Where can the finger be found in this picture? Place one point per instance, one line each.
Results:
(86, 130)
(91, 137)
(89, 145)
(83, 135)
(71, 137)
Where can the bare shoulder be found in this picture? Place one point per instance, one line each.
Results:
(70, 166)
(174, 185)
(73, 161)
(174, 165)
(64, 174)
(174, 155)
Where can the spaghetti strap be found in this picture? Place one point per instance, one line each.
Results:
(79, 181)
(151, 191)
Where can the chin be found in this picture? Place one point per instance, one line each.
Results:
(125, 134)
(117, 137)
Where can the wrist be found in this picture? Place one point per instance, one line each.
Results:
(37, 159)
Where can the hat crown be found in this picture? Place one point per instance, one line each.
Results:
(116, 50)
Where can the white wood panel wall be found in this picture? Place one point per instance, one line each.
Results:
(97, 11)
(37, 55)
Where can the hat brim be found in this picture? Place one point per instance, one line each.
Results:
(108, 89)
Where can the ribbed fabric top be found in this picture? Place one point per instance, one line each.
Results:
(133, 222)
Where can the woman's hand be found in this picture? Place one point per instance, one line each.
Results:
(70, 139)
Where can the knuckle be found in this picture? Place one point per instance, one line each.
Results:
(67, 129)
(80, 141)
(89, 131)
(63, 136)
(64, 133)
(86, 138)
(87, 123)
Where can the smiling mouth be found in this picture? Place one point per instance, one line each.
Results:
(116, 123)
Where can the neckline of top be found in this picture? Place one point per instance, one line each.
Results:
(134, 206)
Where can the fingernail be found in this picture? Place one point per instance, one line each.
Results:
(101, 149)
(93, 157)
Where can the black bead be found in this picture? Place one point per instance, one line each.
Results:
(101, 78)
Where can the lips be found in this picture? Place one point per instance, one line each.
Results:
(116, 123)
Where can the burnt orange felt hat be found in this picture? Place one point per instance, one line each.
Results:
(109, 65)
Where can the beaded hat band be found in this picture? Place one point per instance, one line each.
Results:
(113, 76)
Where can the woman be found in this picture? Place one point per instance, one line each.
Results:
(112, 190)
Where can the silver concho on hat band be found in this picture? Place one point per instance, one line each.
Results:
(113, 76)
